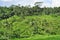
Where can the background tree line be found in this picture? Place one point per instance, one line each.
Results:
(6, 12)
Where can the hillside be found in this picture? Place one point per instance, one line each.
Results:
(18, 27)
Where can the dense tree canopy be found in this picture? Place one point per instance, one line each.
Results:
(6, 12)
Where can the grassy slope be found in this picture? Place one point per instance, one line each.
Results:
(45, 22)
(41, 37)
(48, 22)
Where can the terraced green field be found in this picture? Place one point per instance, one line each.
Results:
(45, 27)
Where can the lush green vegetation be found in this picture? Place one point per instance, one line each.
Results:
(16, 27)
(41, 37)
(29, 23)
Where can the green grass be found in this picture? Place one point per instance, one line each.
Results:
(41, 37)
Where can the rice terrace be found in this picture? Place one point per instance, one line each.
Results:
(20, 20)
